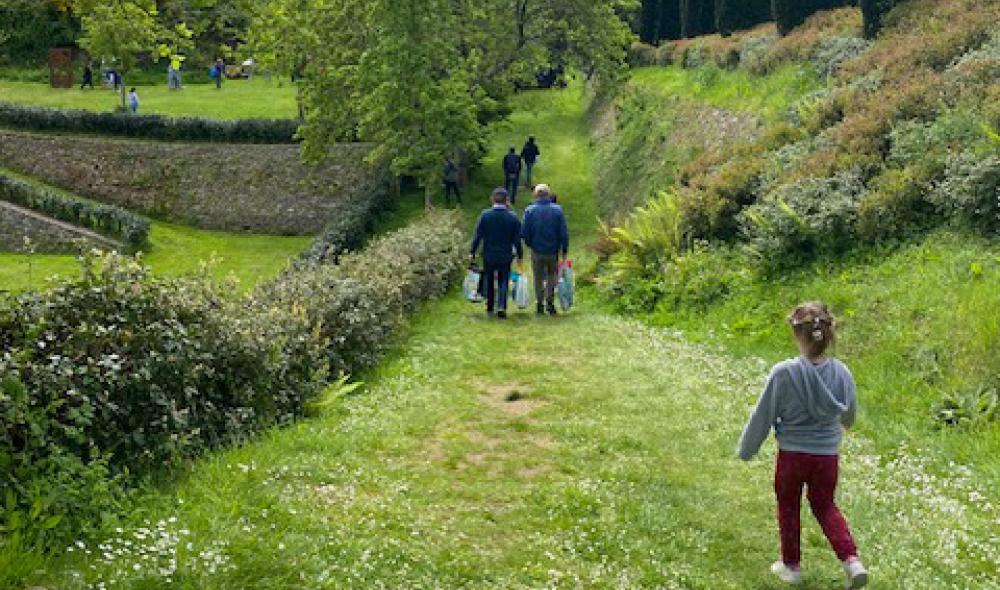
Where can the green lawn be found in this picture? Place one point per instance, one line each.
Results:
(175, 250)
(584, 451)
(238, 99)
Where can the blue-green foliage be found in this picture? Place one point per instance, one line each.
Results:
(131, 229)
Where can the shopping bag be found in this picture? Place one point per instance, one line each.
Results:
(565, 288)
(521, 291)
(471, 286)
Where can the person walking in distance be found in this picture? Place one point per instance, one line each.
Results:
(451, 181)
(808, 401)
(499, 233)
(529, 153)
(511, 173)
(220, 72)
(133, 101)
(88, 77)
(545, 231)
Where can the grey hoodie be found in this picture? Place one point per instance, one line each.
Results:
(806, 404)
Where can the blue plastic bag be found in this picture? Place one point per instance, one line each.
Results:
(565, 288)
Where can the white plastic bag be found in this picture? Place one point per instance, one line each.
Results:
(565, 288)
(470, 287)
(521, 290)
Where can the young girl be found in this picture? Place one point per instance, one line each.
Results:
(808, 400)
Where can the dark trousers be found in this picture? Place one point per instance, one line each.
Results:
(510, 183)
(817, 473)
(497, 273)
(449, 188)
(546, 270)
(529, 166)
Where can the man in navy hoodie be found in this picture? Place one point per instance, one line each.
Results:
(499, 232)
(546, 233)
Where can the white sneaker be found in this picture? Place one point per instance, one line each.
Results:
(857, 575)
(786, 573)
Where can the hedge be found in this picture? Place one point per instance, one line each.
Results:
(148, 126)
(131, 229)
(118, 373)
(354, 220)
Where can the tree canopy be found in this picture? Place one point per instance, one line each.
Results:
(422, 78)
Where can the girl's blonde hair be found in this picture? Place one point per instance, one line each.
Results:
(814, 326)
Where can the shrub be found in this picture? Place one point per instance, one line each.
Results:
(753, 52)
(148, 126)
(833, 52)
(119, 373)
(354, 221)
(665, 55)
(896, 208)
(803, 220)
(969, 408)
(114, 221)
(641, 55)
(970, 191)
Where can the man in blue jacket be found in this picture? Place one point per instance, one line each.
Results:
(546, 233)
(511, 173)
(499, 232)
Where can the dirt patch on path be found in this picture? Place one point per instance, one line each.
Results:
(512, 399)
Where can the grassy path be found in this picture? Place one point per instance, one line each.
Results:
(574, 452)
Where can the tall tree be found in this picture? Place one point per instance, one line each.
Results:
(420, 78)
(732, 15)
(873, 11)
(670, 19)
(697, 17)
(119, 31)
(649, 20)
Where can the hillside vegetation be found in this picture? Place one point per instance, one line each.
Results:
(877, 191)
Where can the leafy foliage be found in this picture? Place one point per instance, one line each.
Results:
(148, 126)
(424, 79)
(114, 221)
(120, 372)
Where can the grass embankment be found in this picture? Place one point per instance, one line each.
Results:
(579, 451)
(238, 99)
(669, 116)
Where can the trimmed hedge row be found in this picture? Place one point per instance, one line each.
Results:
(354, 221)
(118, 373)
(148, 126)
(114, 221)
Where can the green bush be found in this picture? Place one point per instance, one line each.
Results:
(970, 191)
(120, 373)
(355, 220)
(148, 126)
(641, 55)
(804, 220)
(111, 220)
(833, 52)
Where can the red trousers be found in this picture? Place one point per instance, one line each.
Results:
(818, 473)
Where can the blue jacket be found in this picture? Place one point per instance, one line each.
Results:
(545, 230)
(499, 232)
(512, 164)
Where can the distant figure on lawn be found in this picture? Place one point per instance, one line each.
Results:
(499, 232)
(530, 153)
(808, 401)
(511, 173)
(88, 77)
(174, 74)
(220, 73)
(451, 181)
(133, 101)
(545, 231)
